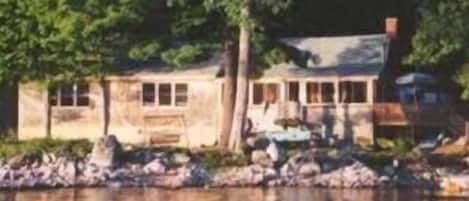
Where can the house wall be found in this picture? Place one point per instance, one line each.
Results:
(344, 120)
(128, 118)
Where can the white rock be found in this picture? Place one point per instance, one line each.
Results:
(273, 152)
(154, 167)
(261, 158)
(310, 168)
(105, 152)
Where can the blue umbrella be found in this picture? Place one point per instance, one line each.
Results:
(415, 79)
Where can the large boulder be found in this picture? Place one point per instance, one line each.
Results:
(262, 158)
(455, 184)
(356, 175)
(106, 151)
(301, 164)
(272, 151)
(155, 167)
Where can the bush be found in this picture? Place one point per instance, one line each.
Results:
(73, 148)
(403, 144)
(212, 160)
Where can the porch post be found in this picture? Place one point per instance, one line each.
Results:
(302, 92)
(369, 91)
(336, 91)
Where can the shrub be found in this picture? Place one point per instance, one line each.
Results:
(36, 147)
(403, 144)
(212, 160)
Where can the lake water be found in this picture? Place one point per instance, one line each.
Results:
(226, 194)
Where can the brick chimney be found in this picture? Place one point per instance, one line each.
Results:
(392, 27)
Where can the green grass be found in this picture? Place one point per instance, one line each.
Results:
(10, 147)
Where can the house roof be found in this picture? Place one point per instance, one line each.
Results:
(335, 56)
(327, 56)
(206, 69)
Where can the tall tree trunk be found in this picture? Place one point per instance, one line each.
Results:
(241, 103)
(105, 104)
(48, 123)
(229, 90)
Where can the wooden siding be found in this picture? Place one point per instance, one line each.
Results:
(400, 115)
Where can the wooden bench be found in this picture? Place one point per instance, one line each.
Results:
(164, 129)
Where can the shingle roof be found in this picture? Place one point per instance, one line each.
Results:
(335, 56)
(329, 56)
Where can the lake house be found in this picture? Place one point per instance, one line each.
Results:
(334, 91)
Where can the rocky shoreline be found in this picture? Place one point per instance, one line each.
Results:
(178, 170)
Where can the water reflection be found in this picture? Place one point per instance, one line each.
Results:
(229, 194)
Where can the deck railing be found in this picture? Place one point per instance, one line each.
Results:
(399, 114)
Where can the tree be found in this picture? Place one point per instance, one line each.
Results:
(441, 42)
(224, 18)
(59, 40)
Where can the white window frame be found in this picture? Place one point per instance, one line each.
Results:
(157, 94)
(320, 83)
(58, 96)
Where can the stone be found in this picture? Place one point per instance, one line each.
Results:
(105, 152)
(198, 176)
(251, 141)
(355, 175)
(67, 171)
(310, 168)
(261, 158)
(272, 151)
(457, 183)
(181, 158)
(16, 161)
(155, 167)
(446, 141)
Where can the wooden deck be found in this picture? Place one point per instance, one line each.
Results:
(396, 114)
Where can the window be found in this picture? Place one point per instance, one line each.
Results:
(293, 91)
(181, 95)
(164, 94)
(69, 95)
(320, 92)
(327, 92)
(82, 95)
(312, 93)
(148, 94)
(265, 93)
(258, 94)
(352, 92)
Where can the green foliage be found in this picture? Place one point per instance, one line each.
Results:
(212, 160)
(377, 159)
(145, 51)
(403, 144)
(385, 144)
(185, 54)
(462, 78)
(62, 40)
(36, 147)
(442, 34)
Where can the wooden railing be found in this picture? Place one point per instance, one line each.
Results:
(398, 114)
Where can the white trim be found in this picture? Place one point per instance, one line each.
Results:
(172, 104)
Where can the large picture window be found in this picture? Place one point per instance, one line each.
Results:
(352, 92)
(317, 92)
(76, 94)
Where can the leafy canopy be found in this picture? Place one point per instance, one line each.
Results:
(443, 33)
(442, 40)
(56, 40)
